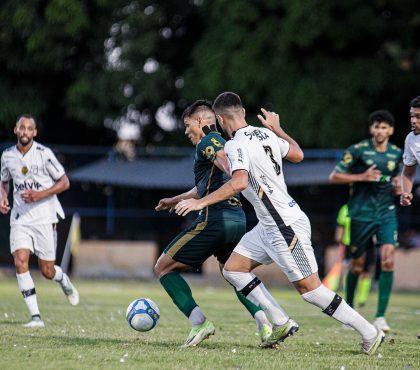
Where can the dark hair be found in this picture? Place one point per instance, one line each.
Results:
(26, 116)
(227, 100)
(381, 116)
(415, 103)
(194, 107)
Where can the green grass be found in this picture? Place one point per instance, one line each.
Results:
(95, 335)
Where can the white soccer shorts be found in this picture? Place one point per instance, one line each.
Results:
(289, 247)
(39, 239)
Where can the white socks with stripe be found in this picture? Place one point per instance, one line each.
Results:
(336, 307)
(27, 287)
(253, 289)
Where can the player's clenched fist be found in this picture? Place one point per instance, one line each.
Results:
(405, 199)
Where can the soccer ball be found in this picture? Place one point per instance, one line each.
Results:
(142, 314)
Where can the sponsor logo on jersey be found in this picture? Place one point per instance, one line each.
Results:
(27, 185)
(216, 142)
(240, 156)
(390, 155)
(34, 170)
(260, 135)
(24, 170)
(292, 203)
(267, 185)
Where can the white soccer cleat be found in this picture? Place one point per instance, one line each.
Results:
(381, 324)
(36, 322)
(369, 347)
(71, 293)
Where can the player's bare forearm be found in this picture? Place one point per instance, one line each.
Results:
(170, 203)
(4, 202)
(235, 185)
(221, 162)
(370, 175)
(407, 180)
(32, 196)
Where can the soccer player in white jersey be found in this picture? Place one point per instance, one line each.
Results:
(37, 177)
(411, 156)
(283, 234)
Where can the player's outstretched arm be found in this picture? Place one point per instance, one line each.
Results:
(4, 192)
(370, 175)
(170, 203)
(235, 185)
(407, 180)
(32, 196)
(271, 120)
(221, 162)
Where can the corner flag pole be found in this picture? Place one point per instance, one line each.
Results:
(72, 243)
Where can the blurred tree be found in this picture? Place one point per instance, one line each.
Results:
(322, 65)
(52, 65)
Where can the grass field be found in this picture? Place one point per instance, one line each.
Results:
(95, 335)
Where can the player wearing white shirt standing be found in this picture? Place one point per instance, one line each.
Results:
(411, 157)
(283, 234)
(37, 177)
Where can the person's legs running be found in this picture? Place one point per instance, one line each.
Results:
(27, 286)
(386, 279)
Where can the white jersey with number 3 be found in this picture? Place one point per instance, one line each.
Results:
(259, 151)
(38, 169)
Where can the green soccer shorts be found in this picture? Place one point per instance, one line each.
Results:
(386, 232)
(202, 239)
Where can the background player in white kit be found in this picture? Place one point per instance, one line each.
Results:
(37, 178)
(283, 234)
(411, 157)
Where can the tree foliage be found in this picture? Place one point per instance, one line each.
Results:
(322, 65)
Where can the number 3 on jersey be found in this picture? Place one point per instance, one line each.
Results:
(269, 152)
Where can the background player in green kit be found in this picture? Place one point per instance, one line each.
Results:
(371, 168)
(216, 230)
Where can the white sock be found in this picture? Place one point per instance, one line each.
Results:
(261, 319)
(27, 287)
(197, 316)
(61, 278)
(336, 307)
(257, 294)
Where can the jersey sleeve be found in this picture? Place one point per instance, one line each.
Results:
(5, 173)
(53, 166)
(210, 145)
(284, 146)
(350, 157)
(343, 213)
(409, 159)
(237, 156)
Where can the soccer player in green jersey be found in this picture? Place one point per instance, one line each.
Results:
(371, 168)
(216, 230)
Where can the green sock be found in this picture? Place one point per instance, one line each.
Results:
(386, 279)
(251, 307)
(351, 284)
(363, 290)
(179, 291)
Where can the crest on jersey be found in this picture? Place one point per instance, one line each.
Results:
(347, 158)
(391, 165)
(209, 152)
(24, 170)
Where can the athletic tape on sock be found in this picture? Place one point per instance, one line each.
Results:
(250, 286)
(332, 307)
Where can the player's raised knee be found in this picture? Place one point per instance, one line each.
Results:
(48, 272)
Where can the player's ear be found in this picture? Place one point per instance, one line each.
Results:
(391, 130)
(35, 132)
(244, 112)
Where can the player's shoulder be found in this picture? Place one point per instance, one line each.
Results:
(394, 148)
(9, 152)
(361, 145)
(41, 148)
(213, 138)
(411, 138)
